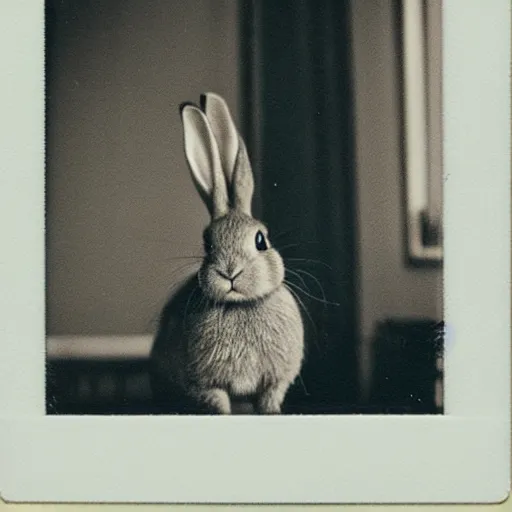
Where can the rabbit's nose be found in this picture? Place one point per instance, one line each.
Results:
(230, 276)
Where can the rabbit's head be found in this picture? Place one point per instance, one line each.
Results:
(240, 265)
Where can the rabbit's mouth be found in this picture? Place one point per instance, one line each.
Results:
(241, 283)
(232, 292)
(235, 295)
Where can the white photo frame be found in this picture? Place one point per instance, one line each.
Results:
(462, 456)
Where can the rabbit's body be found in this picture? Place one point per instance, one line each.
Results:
(242, 356)
(234, 328)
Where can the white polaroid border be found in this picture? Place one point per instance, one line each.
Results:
(462, 456)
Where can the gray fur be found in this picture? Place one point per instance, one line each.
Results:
(234, 329)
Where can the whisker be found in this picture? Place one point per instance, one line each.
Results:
(301, 304)
(152, 323)
(185, 258)
(187, 305)
(184, 270)
(320, 287)
(176, 285)
(181, 264)
(304, 385)
(288, 246)
(298, 276)
(309, 260)
(281, 235)
(177, 278)
(313, 296)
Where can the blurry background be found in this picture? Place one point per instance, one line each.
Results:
(317, 89)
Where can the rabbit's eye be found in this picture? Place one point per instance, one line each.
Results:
(261, 243)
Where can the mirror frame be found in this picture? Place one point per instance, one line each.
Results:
(421, 72)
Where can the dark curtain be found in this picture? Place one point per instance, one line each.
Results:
(296, 69)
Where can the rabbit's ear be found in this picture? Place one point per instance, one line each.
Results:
(242, 183)
(223, 128)
(204, 160)
(233, 153)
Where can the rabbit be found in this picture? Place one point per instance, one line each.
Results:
(233, 329)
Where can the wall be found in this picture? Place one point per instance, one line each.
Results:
(388, 288)
(120, 201)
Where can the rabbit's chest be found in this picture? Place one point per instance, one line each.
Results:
(246, 349)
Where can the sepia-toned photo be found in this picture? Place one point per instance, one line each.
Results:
(255, 252)
(244, 207)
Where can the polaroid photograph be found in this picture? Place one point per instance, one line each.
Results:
(255, 251)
